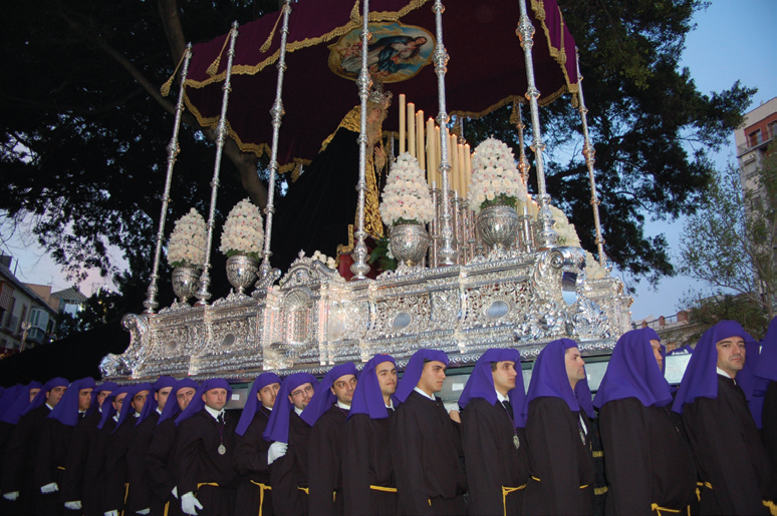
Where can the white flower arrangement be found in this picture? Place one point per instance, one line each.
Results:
(406, 197)
(243, 231)
(593, 270)
(326, 260)
(567, 235)
(186, 246)
(495, 177)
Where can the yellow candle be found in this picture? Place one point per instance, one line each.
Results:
(437, 156)
(430, 151)
(411, 129)
(419, 123)
(454, 161)
(401, 123)
(462, 172)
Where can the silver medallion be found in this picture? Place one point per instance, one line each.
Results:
(516, 442)
(222, 449)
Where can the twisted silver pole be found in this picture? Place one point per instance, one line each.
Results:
(172, 151)
(589, 152)
(203, 294)
(525, 31)
(364, 82)
(277, 113)
(447, 254)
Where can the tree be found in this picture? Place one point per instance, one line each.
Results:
(730, 243)
(706, 311)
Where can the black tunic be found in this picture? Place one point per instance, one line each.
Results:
(160, 466)
(325, 473)
(769, 421)
(290, 472)
(82, 440)
(647, 459)
(118, 443)
(427, 458)
(251, 464)
(95, 471)
(559, 458)
(729, 452)
(139, 481)
(492, 459)
(50, 465)
(367, 462)
(20, 459)
(198, 461)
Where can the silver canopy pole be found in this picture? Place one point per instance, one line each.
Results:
(221, 134)
(172, 151)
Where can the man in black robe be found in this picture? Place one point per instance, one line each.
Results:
(288, 453)
(368, 471)
(558, 414)
(766, 377)
(83, 439)
(160, 457)
(326, 414)
(734, 468)
(204, 457)
(20, 458)
(54, 443)
(428, 458)
(492, 434)
(254, 496)
(648, 461)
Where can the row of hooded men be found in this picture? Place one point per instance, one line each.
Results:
(368, 444)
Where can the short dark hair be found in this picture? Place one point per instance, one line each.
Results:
(493, 366)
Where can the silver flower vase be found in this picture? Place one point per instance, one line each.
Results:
(498, 226)
(241, 271)
(185, 281)
(409, 243)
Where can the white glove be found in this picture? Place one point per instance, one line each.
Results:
(175, 492)
(12, 496)
(144, 511)
(189, 504)
(276, 451)
(111, 513)
(73, 506)
(49, 488)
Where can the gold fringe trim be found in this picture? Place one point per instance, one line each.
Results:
(165, 89)
(771, 506)
(558, 54)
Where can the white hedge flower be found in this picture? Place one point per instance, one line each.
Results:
(243, 231)
(567, 235)
(495, 176)
(187, 242)
(406, 196)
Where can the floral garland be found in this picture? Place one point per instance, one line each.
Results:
(495, 177)
(243, 232)
(406, 197)
(593, 270)
(186, 246)
(567, 234)
(326, 260)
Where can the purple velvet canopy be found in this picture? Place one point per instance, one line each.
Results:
(278, 425)
(415, 367)
(252, 402)
(486, 69)
(481, 382)
(634, 373)
(151, 402)
(198, 403)
(323, 397)
(368, 398)
(66, 411)
(172, 409)
(549, 379)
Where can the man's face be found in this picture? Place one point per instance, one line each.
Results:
(161, 397)
(343, 388)
(118, 401)
(215, 398)
(656, 345)
(267, 394)
(184, 396)
(387, 378)
(575, 366)
(432, 377)
(84, 399)
(54, 395)
(101, 397)
(504, 376)
(34, 392)
(138, 400)
(731, 355)
(300, 396)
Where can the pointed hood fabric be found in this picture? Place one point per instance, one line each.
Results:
(126, 407)
(700, 379)
(278, 425)
(323, 397)
(66, 411)
(766, 369)
(9, 396)
(481, 382)
(415, 367)
(40, 399)
(13, 413)
(151, 403)
(172, 409)
(107, 410)
(103, 387)
(198, 403)
(368, 398)
(252, 402)
(634, 373)
(549, 379)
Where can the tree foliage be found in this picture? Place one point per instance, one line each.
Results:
(707, 311)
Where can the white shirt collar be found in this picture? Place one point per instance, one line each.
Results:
(343, 405)
(422, 393)
(721, 372)
(500, 397)
(116, 417)
(158, 411)
(49, 406)
(298, 411)
(214, 413)
(391, 404)
(268, 408)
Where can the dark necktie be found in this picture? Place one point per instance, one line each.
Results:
(508, 407)
(220, 419)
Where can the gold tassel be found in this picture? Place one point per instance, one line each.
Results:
(266, 46)
(355, 16)
(214, 66)
(165, 89)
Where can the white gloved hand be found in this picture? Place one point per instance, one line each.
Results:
(189, 504)
(49, 488)
(111, 513)
(276, 451)
(74, 506)
(175, 492)
(12, 496)
(144, 511)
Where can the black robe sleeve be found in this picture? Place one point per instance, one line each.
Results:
(769, 420)
(139, 482)
(251, 451)
(160, 461)
(114, 489)
(357, 462)
(21, 452)
(325, 459)
(47, 449)
(290, 471)
(78, 452)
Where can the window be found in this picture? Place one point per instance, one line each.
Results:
(755, 138)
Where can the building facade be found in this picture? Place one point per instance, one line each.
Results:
(752, 140)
